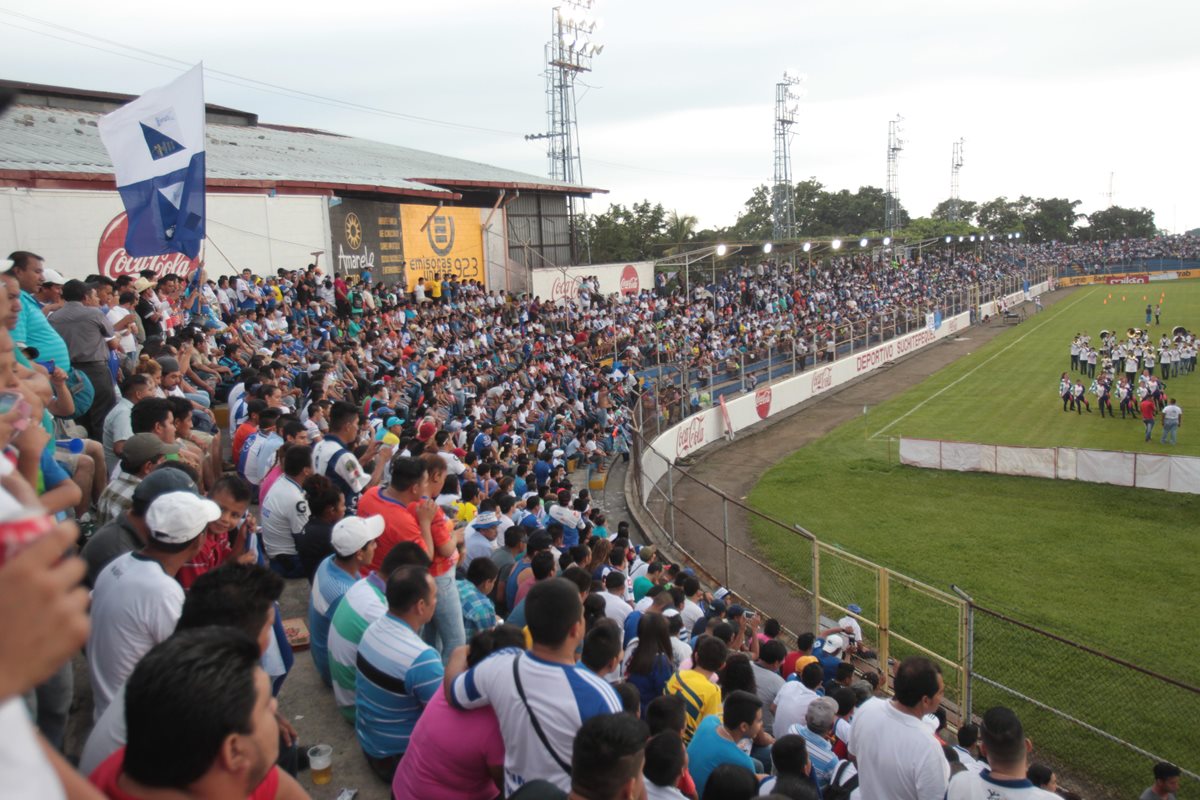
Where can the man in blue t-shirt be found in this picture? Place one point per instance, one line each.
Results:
(716, 739)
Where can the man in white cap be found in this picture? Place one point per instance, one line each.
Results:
(354, 541)
(137, 600)
(480, 535)
(831, 655)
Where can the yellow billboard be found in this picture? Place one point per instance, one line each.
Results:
(442, 241)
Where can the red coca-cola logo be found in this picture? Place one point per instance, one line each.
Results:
(113, 261)
(690, 436)
(564, 288)
(762, 402)
(822, 379)
(630, 284)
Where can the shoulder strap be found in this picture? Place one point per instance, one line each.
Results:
(537, 726)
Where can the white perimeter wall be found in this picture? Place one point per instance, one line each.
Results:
(1143, 470)
(557, 284)
(256, 231)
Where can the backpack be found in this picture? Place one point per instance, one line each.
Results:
(836, 790)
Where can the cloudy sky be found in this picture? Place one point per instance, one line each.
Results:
(1051, 96)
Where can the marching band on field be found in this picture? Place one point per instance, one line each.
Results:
(1144, 369)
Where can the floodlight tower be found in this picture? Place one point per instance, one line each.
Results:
(956, 162)
(891, 213)
(569, 53)
(783, 194)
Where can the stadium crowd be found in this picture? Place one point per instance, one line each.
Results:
(193, 444)
(1094, 257)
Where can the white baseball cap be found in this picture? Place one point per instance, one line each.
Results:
(354, 533)
(179, 517)
(834, 644)
(53, 276)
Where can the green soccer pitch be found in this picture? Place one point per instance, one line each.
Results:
(1108, 566)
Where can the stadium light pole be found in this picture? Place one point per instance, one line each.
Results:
(836, 244)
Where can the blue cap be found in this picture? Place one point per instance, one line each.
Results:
(854, 608)
(397, 421)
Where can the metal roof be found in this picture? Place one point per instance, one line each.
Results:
(48, 143)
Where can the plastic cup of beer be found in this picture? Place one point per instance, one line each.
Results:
(320, 761)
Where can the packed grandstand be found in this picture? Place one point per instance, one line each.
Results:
(418, 461)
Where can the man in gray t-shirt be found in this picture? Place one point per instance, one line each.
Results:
(1166, 782)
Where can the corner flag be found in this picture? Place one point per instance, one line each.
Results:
(156, 144)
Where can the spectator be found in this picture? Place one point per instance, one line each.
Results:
(731, 782)
(128, 531)
(817, 731)
(665, 762)
(207, 689)
(332, 457)
(479, 614)
(897, 757)
(326, 506)
(1041, 776)
(227, 537)
(616, 607)
(354, 541)
(601, 653)
(789, 757)
(543, 685)
(285, 513)
(456, 754)
(1166, 782)
(717, 739)
(767, 679)
(90, 338)
(968, 747)
(830, 656)
(118, 425)
(362, 604)
(398, 673)
(240, 596)
(793, 699)
(1006, 749)
(799, 658)
(137, 601)
(701, 696)
(141, 454)
(650, 662)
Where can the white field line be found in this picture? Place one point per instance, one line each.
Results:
(1049, 318)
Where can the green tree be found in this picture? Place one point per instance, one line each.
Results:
(924, 228)
(1116, 222)
(1002, 215)
(680, 229)
(626, 234)
(967, 209)
(754, 223)
(1053, 219)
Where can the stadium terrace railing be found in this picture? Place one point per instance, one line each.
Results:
(677, 389)
(1099, 721)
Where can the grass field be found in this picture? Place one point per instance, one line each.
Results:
(1111, 567)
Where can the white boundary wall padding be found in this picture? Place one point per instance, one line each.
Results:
(1141, 470)
(706, 427)
(989, 309)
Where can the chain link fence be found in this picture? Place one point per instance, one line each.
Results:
(1101, 723)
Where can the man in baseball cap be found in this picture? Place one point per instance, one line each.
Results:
(352, 534)
(128, 532)
(141, 454)
(137, 600)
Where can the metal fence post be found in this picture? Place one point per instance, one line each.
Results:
(671, 502)
(725, 536)
(968, 637)
(884, 593)
(816, 584)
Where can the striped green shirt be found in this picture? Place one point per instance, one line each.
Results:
(363, 603)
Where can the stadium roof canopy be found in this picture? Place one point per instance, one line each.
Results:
(49, 139)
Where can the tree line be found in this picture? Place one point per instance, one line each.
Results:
(647, 230)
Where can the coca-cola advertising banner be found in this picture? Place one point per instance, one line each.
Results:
(560, 285)
(113, 261)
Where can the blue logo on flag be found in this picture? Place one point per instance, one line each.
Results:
(162, 134)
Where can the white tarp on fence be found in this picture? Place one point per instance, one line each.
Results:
(1143, 470)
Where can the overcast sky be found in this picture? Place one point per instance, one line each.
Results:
(1051, 96)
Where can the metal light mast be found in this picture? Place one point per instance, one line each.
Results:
(783, 194)
(956, 162)
(891, 213)
(569, 53)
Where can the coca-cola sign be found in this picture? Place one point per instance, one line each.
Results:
(762, 402)
(564, 288)
(113, 261)
(630, 284)
(822, 379)
(690, 436)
